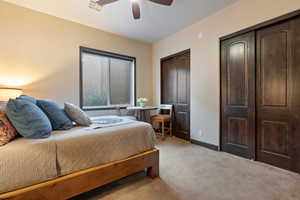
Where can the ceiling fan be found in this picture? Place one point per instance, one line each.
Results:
(135, 4)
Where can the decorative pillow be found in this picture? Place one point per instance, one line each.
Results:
(77, 115)
(27, 98)
(57, 116)
(7, 131)
(28, 119)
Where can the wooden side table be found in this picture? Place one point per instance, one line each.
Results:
(143, 113)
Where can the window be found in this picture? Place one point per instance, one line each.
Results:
(107, 79)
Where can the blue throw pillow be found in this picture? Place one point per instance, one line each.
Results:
(28, 119)
(27, 98)
(57, 116)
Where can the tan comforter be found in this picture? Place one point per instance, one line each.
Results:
(25, 162)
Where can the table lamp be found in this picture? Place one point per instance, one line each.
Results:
(8, 93)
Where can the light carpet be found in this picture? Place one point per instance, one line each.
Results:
(192, 172)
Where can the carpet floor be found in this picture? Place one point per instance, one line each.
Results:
(191, 172)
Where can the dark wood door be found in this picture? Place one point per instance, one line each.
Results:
(295, 107)
(175, 89)
(278, 96)
(238, 95)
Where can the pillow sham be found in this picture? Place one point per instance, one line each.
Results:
(77, 115)
(57, 116)
(28, 119)
(7, 131)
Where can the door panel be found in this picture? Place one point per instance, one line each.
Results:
(275, 138)
(237, 75)
(182, 67)
(169, 82)
(274, 95)
(175, 79)
(239, 126)
(238, 106)
(274, 79)
(182, 125)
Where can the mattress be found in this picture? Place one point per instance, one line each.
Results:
(26, 162)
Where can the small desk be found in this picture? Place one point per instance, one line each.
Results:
(143, 113)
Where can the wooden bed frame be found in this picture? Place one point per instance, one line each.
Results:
(82, 181)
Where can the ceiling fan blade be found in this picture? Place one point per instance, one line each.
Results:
(163, 2)
(104, 2)
(136, 11)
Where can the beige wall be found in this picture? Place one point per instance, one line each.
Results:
(41, 53)
(205, 57)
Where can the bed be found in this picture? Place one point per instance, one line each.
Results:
(75, 161)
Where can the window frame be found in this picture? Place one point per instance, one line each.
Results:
(110, 55)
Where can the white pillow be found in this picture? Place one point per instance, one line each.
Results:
(77, 115)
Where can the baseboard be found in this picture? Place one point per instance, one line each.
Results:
(206, 145)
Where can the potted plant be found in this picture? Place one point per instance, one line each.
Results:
(142, 101)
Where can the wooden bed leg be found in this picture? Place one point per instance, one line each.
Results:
(153, 171)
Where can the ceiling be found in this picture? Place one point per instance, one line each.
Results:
(156, 23)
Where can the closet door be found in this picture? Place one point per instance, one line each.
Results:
(238, 95)
(277, 97)
(175, 83)
(182, 105)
